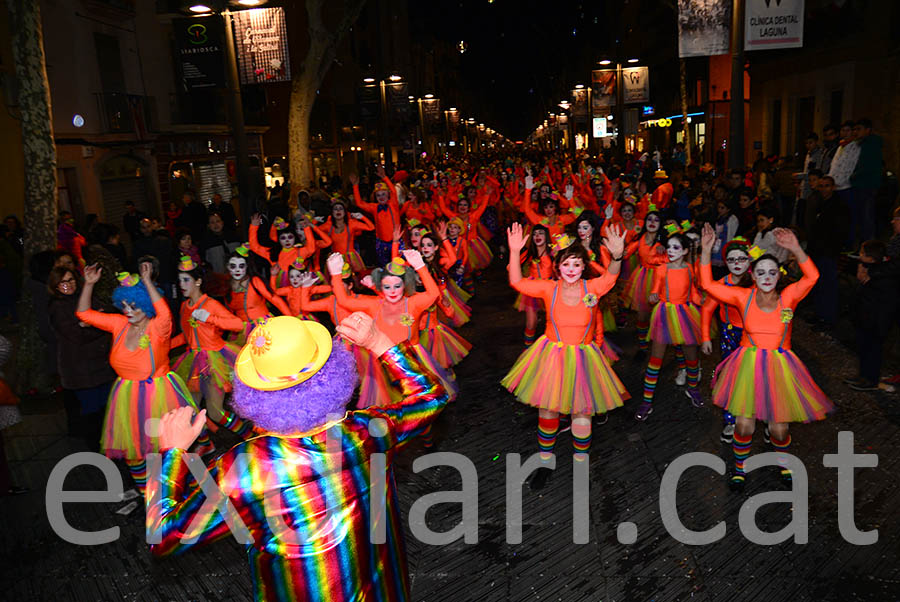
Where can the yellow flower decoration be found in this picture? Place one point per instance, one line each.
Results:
(406, 320)
(590, 299)
(787, 315)
(193, 322)
(261, 341)
(144, 343)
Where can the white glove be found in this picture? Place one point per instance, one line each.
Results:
(319, 219)
(570, 191)
(201, 315)
(356, 215)
(609, 211)
(529, 182)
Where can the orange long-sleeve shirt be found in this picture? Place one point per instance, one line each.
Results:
(414, 305)
(676, 285)
(728, 313)
(556, 226)
(572, 325)
(662, 195)
(136, 364)
(342, 242)
(385, 216)
(285, 256)
(251, 305)
(205, 335)
(764, 330)
(421, 211)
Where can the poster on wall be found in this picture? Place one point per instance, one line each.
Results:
(603, 89)
(199, 47)
(636, 84)
(704, 27)
(262, 45)
(770, 24)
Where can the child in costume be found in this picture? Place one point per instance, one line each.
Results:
(764, 379)
(292, 294)
(675, 321)
(397, 310)
(637, 290)
(565, 371)
(478, 253)
(302, 487)
(208, 363)
(146, 388)
(281, 258)
(247, 293)
(343, 233)
(731, 324)
(385, 211)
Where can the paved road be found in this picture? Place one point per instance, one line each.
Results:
(627, 464)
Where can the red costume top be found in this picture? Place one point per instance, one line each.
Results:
(250, 306)
(556, 225)
(570, 324)
(285, 256)
(764, 330)
(387, 215)
(420, 210)
(662, 196)
(150, 359)
(205, 335)
(293, 296)
(650, 255)
(405, 328)
(676, 285)
(727, 313)
(342, 242)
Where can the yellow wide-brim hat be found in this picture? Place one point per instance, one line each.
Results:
(283, 352)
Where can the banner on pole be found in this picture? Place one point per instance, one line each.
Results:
(262, 45)
(201, 59)
(603, 89)
(770, 24)
(636, 84)
(704, 27)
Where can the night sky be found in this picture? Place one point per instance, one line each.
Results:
(524, 56)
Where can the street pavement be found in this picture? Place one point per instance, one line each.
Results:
(486, 424)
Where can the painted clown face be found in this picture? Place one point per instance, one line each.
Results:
(392, 288)
(675, 250)
(338, 212)
(652, 223)
(134, 314)
(415, 236)
(539, 236)
(295, 277)
(766, 274)
(550, 209)
(738, 262)
(187, 284)
(287, 240)
(237, 267)
(462, 207)
(427, 248)
(571, 269)
(585, 230)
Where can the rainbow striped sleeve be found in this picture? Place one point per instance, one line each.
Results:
(172, 507)
(423, 395)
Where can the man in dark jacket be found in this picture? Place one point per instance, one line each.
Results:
(193, 216)
(866, 177)
(827, 234)
(874, 311)
(226, 211)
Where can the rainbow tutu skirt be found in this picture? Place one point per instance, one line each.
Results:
(637, 289)
(375, 386)
(445, 345)
(354, 261)
(131, 404)
(460, 312)
(675, 324)
(771, 385)
(205, 371)
(525, 303)
(569, 379)
(480, 255)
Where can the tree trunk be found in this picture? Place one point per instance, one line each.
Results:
(323, 45)
(39, 152)
(686, 127)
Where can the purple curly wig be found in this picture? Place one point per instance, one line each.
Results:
(305, 406)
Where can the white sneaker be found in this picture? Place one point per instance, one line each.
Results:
(681, 378)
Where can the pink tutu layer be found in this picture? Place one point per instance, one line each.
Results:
(675, 324)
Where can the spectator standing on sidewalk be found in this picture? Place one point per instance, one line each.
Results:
(842, 167)
(830, 146)
(827, 234)
(866, 178)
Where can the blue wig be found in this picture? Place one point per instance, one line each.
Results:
(136, 295)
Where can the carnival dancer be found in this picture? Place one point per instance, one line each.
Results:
(439, 256)
(281, 258)
(397, 310)
(247, 293)
(292, 380)
(459, 272)
(146, 389)
(538, 263)
(729, 319)
(385, 211)
(565, 372)
(478, 253)
(675, 321)
(417, 206)
(549, 207)
(649, 246)
(207, 364)
(763, 379)
(293, 293)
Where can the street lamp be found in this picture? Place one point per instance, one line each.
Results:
(392, 79)
(620, 99)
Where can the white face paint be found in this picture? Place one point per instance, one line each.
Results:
(187, 284)
(652, 223)
(738, 262)
(392, 288)
(237, 267)
(585, 230)
(571, 269)
(427, 248)
(286, 240)
(295, 277)
(338, 212)
(132, 312)
(765, 274)
(675, 251)
(453, 231)
(415, 237)
(539, 236)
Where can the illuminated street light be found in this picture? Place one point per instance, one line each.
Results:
(200, 9)
(395, 78)
(369, 80)
(605, 62)
(634, 61)
(579, 86)
(429, 96)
